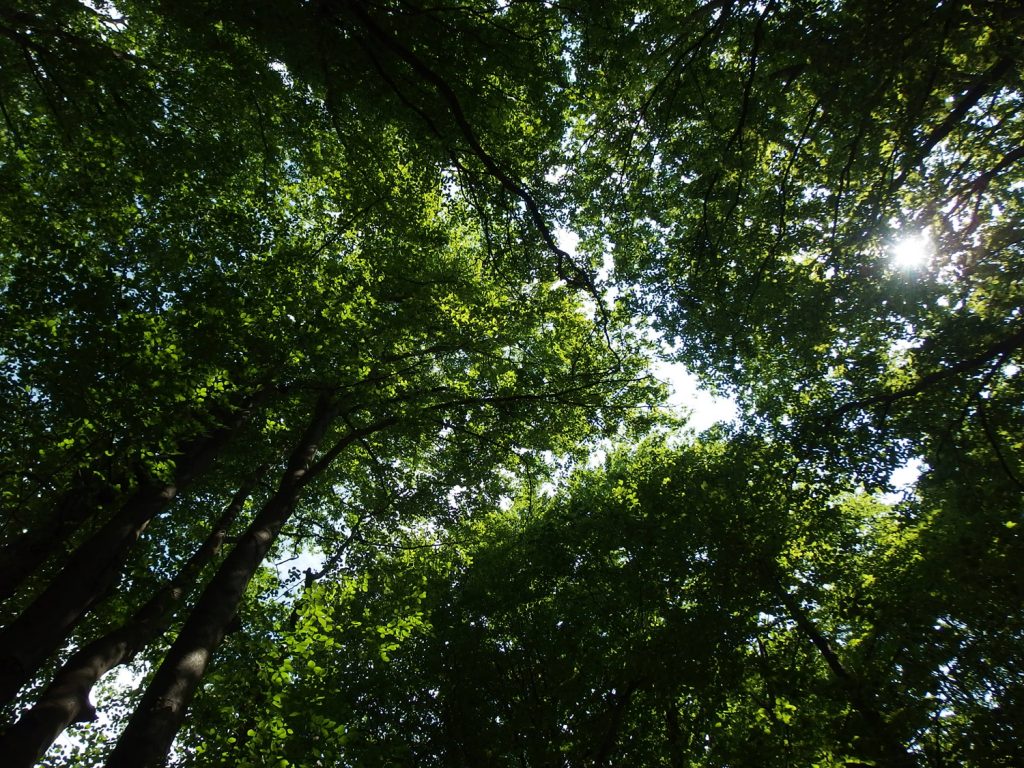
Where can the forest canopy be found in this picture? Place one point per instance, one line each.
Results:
(331, 435)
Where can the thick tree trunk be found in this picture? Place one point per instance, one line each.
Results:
(618, 703)
(673, 736)
(66, 699)
(94, 568)
(88, 496)
(147, 738)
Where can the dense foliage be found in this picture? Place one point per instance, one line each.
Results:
(322, 448)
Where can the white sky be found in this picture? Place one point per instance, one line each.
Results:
(685, 394)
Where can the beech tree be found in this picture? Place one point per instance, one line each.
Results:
(290, 282)
(706, 603)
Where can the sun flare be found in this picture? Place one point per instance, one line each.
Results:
(912, 251)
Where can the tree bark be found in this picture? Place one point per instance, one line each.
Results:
(150, 732)
(618, 703)
(28, 641)
(87, 497)
(675, 752)
(66, 698)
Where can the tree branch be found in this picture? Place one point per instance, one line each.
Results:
(1002, 347)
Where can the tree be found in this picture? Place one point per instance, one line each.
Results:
(323, 238)
(367, 285)
(709, 603)
(615, 622)
(755, 160)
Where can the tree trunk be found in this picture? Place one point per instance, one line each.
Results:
(890, 750)
(66, 698)
(672, 735)
(618, 703)
(147, 738)
(88, 496)
(94, 567)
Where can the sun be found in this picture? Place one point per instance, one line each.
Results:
(912, 251)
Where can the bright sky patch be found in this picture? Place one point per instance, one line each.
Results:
(912, 251)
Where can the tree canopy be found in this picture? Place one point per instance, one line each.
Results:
(324, 447)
